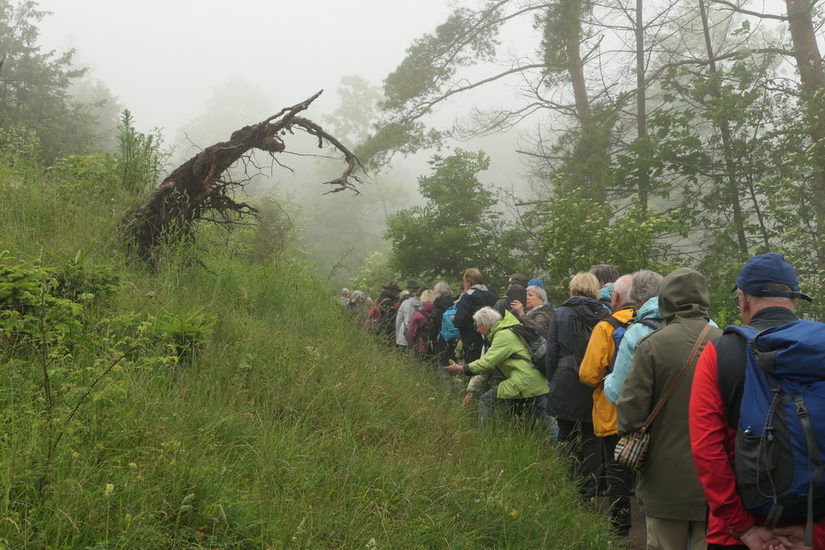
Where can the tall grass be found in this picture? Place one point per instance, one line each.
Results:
(286, 428)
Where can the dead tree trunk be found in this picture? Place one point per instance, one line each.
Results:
(198, 189)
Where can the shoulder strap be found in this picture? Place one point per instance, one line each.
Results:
(655, 322)
(728, 378)
(670, 389)
(515, 330)
(615, 323)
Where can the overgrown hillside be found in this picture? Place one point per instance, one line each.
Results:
(223, 401)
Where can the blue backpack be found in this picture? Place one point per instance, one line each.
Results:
(448, 329)
(779, 466)
(619, 328)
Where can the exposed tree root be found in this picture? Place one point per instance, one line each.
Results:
(199, 189)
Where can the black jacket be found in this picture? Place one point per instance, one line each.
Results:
(471, 301)
(569, 399)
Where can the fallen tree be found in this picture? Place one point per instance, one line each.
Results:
(200, 188)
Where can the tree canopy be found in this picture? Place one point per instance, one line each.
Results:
(36, 87)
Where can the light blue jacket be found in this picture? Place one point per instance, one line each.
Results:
(614, 381)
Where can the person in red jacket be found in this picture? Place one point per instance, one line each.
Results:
(767, 295)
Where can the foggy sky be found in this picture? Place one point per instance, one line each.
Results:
(162, 59)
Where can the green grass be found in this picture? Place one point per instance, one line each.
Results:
(287, 427)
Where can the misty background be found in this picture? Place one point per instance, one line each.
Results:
(209, 68)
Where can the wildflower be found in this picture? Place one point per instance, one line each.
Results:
(372, 545)
(133, 465)
(110, 488)
(514, 513)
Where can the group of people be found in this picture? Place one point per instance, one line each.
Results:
(639, 351)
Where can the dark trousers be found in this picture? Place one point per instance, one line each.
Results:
(444, 351)
(582, 449)
(712, 546)
(620, 482)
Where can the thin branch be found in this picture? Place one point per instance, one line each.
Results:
(661, 70)
(743, 11)
(425, 107)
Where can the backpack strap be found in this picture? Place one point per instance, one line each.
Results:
(728, 379)
(654, 323)
(615, 323)
(617, 337)
(514, 329)
(670, 389)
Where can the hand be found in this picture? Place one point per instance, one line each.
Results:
(518, 307)
(791, 537)
(759, 538)
(454, 367)
(467, 399)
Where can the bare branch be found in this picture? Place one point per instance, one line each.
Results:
(743, 11)
(666, 67)
(197, 187)
(425, 107)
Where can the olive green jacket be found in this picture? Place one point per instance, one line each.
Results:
(668, 486)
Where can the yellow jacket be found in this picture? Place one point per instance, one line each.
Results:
(596, 361)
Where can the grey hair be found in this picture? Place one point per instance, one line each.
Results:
(623, 287)
(645, 286)
(486, 317)
(538, 291)
(442, 288)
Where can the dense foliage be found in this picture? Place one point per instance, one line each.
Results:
(36, 87)
(223, 402)
(456, 228)
(692, 145)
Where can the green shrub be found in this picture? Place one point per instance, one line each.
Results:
(185, 332)
(80, 280)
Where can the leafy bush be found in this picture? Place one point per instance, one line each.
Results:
(80, 177)
(19, 153)
(80, 280)
(28, 306)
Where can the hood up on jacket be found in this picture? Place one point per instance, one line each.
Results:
(684, 293)
(508, 320)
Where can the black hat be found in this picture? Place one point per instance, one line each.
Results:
(412, 284)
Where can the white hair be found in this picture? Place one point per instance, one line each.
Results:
(623, 287)
(538, 291)
(486, 317)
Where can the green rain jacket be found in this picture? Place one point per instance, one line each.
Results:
(509, 354)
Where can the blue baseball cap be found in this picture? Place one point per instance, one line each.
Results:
(765, 270)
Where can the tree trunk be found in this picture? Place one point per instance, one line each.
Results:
(809, 63)
(727, 150)
(641, 112)
(592, 143)
(196, 190)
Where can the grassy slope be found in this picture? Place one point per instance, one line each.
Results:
(290, 429)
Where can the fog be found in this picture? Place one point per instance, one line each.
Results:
(197, 70)
(163, 58)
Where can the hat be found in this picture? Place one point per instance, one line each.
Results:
(392, 285)
(412, 284)
(765, 270)
(518, 279)
(536, 282)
